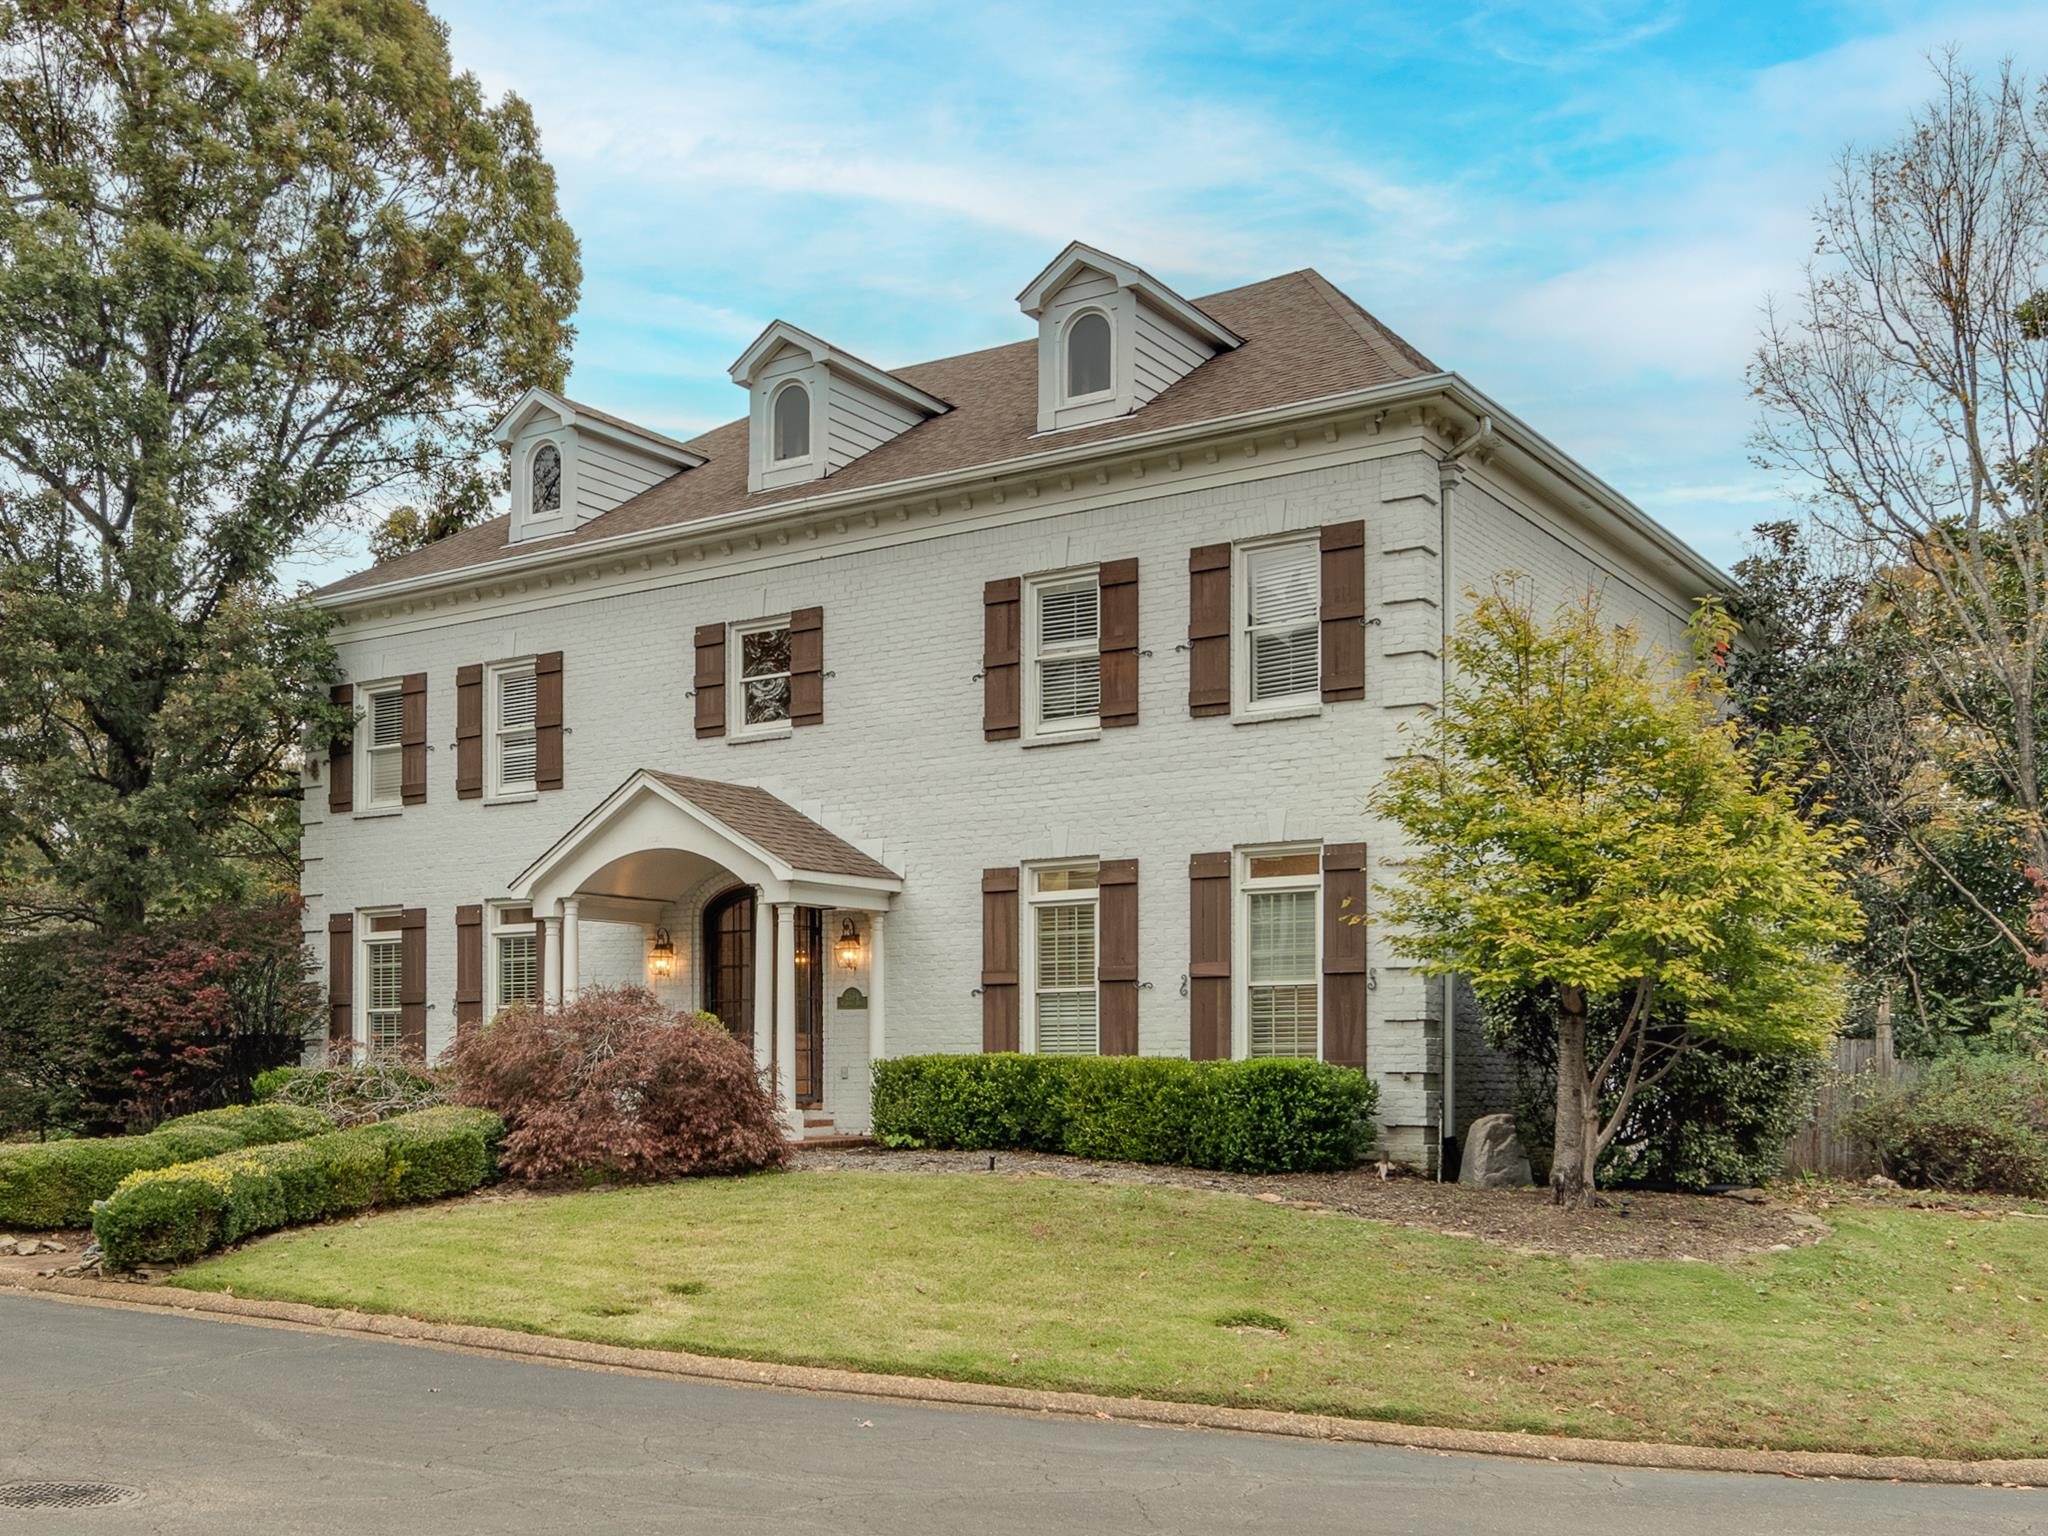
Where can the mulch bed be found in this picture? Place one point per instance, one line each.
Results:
(1633, 1226)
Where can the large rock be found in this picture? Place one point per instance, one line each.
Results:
(1493, 1156)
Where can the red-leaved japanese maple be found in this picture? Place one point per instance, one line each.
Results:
(615, 1086)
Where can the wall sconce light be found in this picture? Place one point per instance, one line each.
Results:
(661, 963)
(847, 950)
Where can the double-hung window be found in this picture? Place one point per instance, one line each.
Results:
(383, 971)
(514, 959)
(1281, 894)
(515, 746)
(1061, 909)
(759, 685)
(1280, 616)
(1064, 678)
(382, 733)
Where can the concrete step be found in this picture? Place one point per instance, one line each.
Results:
(836, 1143)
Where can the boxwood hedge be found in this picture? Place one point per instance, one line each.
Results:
(54, 1183)
(1269, 1116)
(172, 1215)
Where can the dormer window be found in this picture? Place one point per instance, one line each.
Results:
(792, 423)
(1088, 356)
(547, 480)
(1111, 337)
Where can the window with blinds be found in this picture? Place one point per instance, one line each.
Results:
(1282, 608)
(515, 746)
(1282, 901)
(518, 974)
(383, 1022)
(1066, 653)
(1063, 938)
(384, 746)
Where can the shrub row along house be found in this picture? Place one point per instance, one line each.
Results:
(1022, 700)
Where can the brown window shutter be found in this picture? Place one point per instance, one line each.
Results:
(999, 959)
(341, 973)
(807, 667)
(412, 752)
(469, 967)
(1344, 970)
(1209, 630)
(1002, 639)
(1116, 968)
(341, 758)
(710, 683)
(412, 982)
(547, 720)
(1209, 956)
(540, 961)
(469, 731)
(1119, 644)
(1343, 611)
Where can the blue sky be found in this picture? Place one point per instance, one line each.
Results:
(1579, 206)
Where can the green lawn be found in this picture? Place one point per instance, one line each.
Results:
(1903, 1332)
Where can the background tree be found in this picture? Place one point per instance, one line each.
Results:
(1584, 818)
(263, 265)
(1908, 387)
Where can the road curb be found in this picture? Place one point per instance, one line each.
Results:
(2017, 1473)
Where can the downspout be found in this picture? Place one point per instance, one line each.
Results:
(1450, 470)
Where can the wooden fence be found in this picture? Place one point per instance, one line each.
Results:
(1820, 1147)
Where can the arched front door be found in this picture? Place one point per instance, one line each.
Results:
(729, 962)
(729, 982)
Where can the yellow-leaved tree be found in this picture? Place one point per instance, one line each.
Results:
(1583, 817)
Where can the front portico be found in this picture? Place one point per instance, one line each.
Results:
(754, 899)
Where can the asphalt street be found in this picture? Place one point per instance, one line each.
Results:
(224, 1427)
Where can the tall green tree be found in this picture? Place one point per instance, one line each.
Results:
(1585, 818)
(265, 266)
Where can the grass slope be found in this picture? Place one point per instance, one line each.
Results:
(1904, 1332)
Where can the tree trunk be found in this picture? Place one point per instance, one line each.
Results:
(1575, 1147)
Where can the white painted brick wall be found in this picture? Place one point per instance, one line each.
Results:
(900, 766)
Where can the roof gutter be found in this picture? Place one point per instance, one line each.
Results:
(748, 519)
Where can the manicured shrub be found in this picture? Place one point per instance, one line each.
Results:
(54, 1184)
(351, 1092)
(1976, 1123)
(110, 1032)
(264, 1086)
(173, 1215)
(1241, 1116)
(615, 1087)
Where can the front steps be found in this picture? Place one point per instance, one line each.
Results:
(819, 1132)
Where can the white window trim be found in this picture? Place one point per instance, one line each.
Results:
(736, 727)
(533, 513)
(1080, 727)
(1027, 953)
(360, 1038)
(364, 693)
(496, 928)
(1093, 397)
(1288, 706)
(494, 791)
(1241, 936)
(810, 427)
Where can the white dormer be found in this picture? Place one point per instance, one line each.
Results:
(816, 409)
(571, 463)
(1111, 337)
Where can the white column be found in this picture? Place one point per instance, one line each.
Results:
(572, 946)
(877, 1039)
(785, 1013)
(764, 988)
(551, 962)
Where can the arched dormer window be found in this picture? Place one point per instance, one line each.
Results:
(792, 423)
(547, 480)
(1088, 356)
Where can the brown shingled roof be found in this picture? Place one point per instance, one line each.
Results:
(776, 826)
(1304, 340)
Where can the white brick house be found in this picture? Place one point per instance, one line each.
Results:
(1027, 699)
